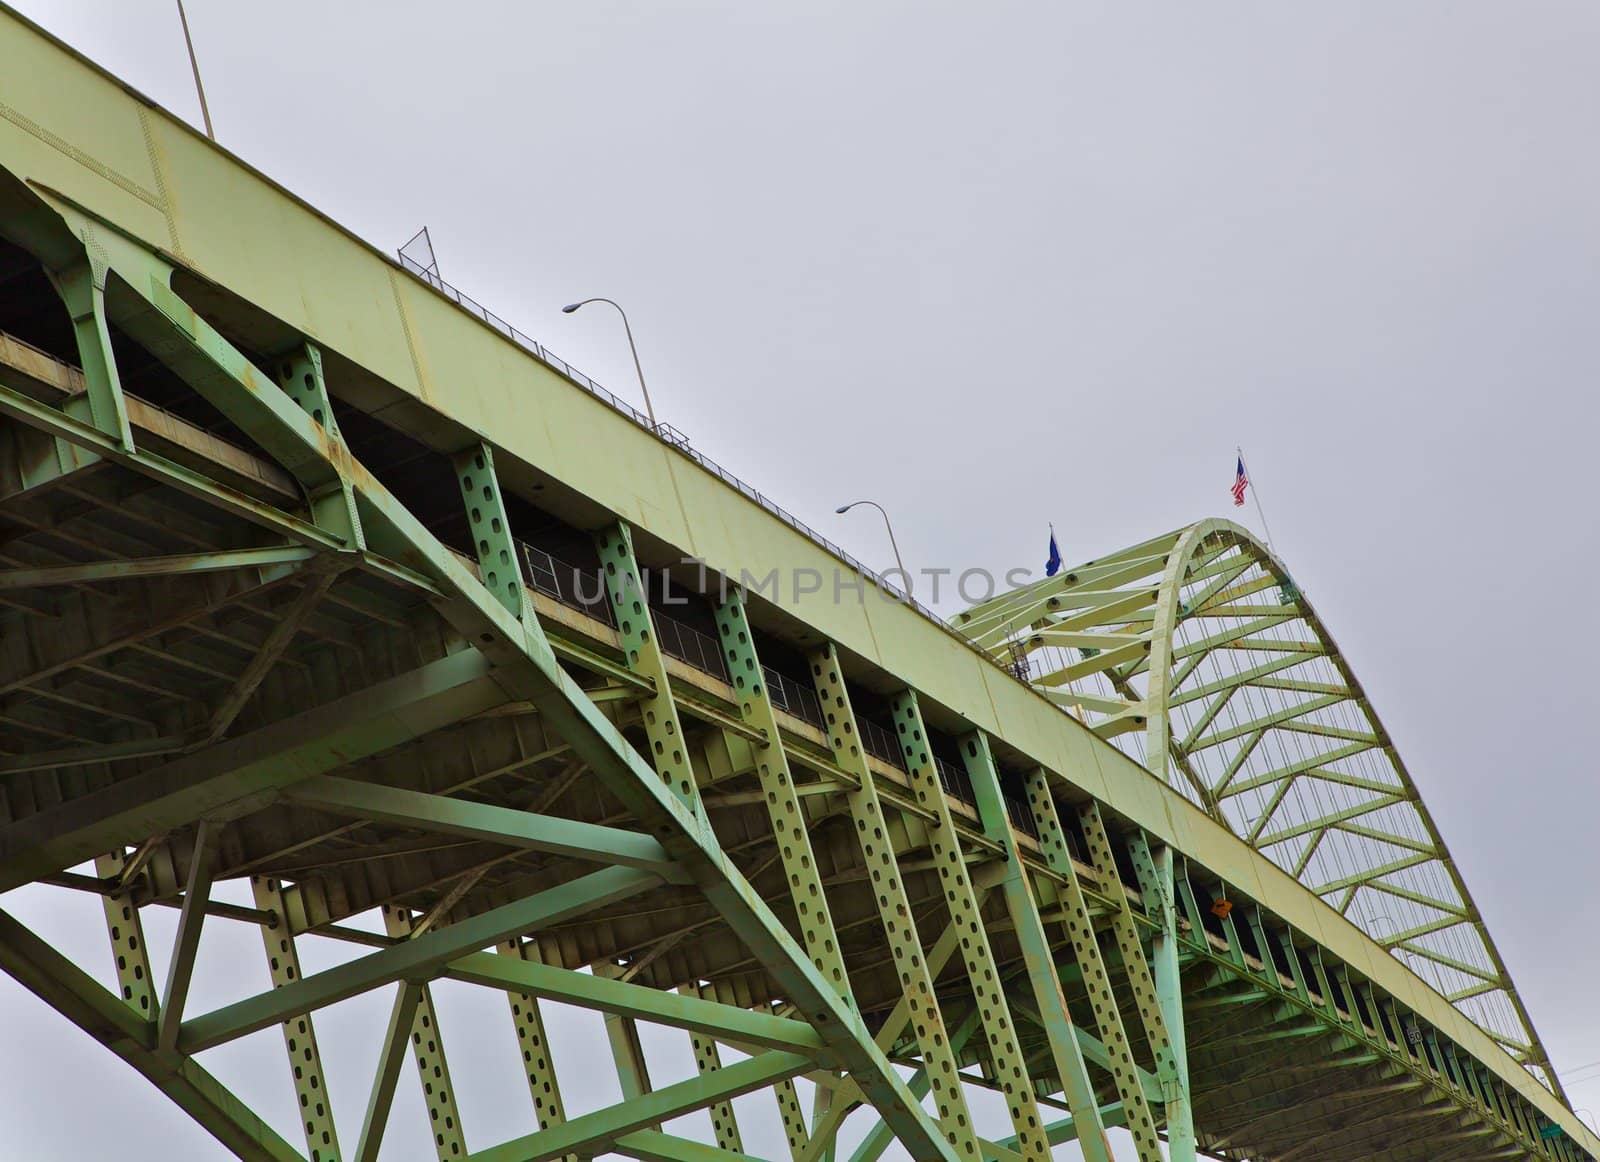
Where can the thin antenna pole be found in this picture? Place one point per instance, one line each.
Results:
(195, 65)
(1255, 491)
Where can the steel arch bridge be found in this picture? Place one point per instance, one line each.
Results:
(318, 577)
(1199, 649)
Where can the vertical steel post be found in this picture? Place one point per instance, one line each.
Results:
(299, 1035)
(1097, 981)
(784, 807)
(894, 906)
(427, 1047)
(707, 1059)
(1155, 872)
(793, 1118)
(983, 974)
(625, 586)
(498, 566)
(83, 289)
(333, 507)
(535, 1044)
(127, 940)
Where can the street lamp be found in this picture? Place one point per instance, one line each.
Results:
(570, 307)
(905, 577)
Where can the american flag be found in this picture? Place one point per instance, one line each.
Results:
(1240, 483)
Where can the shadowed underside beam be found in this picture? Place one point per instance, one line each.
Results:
(593, 1133)
(418, 958)
(547, 833)
(592, 991)
(244, 772)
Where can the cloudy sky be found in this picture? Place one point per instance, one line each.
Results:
(1000, 266)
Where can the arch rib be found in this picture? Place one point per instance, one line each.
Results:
(1178, 651)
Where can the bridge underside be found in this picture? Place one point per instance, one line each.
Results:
(264, 619)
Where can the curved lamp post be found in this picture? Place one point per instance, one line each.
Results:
(904, 576)
(570, 307)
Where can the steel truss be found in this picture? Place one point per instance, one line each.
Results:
(1198, 653)
(374, 720)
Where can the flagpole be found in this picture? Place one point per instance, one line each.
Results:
(1255, 492)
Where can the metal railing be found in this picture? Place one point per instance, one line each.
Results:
(670, 435)
(584, 590)
(580, 589)
(954, 780)
(879, 741)
(688, 644)
(791, 696)
(1021, 817)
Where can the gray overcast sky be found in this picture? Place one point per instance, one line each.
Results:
(1022, 263)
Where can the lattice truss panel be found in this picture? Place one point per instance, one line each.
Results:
(1257, 717)
(232, 650)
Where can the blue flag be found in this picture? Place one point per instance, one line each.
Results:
(1053, 565)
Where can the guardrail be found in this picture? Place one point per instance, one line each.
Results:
(1022, 817)
(878, 741)
(954, 780)
(688, 644)
(789, 695)
(670, 435)
(580, 589)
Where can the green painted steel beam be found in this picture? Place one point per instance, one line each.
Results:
(1064, 1130)
(427, 1050)
(879, 1138)
(1359, 879)
(129, 950)
(653, 1146)
(1277, 717)
(1108, 1018)
(1156, 872)
(301, 1053)
(186, 943)
(676, 1010)
(114, 1024)
(551, 834)
(918, 998)
(544, 1086)
(899, 1023)
(785, 811)
(593, 1134)
(82, 287)
(391, 1058)
(1278, 774)
(318, 578)
(626, 590)
(1283, 835)
(138, 568)
(707, 1059)
(423, 956)
(247, 770)
(996, 1021)
(499, 563)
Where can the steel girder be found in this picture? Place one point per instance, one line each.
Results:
(1197, 653)
(675, 860)
(517, 659)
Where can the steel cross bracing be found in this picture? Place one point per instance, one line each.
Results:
(1197, 653)
(304, 794)
(230, 652)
